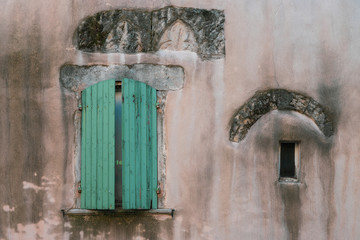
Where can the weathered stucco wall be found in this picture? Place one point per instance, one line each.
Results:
(220, 189)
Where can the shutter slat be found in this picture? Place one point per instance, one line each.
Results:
(99, 188)
(98, 146)
(132, 158)
(94, 119)
(105, 146)
(125, 144)
(87, 183)
(137, 115)
(111, 147)
(143, 146)
(153, 146)
(139, 146)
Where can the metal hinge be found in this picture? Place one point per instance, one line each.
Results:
(79, 188)
(158, 189)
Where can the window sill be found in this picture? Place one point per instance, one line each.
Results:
(116, 212)
(285, 180)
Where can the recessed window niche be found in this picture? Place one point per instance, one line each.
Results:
(289, 161)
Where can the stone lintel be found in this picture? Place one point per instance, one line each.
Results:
(160, 77)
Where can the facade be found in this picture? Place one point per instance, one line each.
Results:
(249, 110)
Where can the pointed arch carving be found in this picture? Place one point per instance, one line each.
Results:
(178, 36)
(117, 30)
(124, 37)
(278, 99)
(135, 31)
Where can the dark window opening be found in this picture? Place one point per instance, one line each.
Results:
(288, 160)
(118, 148)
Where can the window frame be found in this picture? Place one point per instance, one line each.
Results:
(297, 162)
(157, 146)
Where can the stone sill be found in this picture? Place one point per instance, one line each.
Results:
(289, 181)
(116, 212)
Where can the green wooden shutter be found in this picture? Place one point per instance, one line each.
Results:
(139, 146)
(98, 146)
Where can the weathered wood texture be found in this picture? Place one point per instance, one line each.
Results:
(139, 143)
(98, 146)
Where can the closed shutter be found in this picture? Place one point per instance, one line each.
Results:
(139, 146)
(98, 146)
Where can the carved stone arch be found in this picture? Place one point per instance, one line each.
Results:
(278, 99)
(134, 31)
(124, 37)
(178, 36)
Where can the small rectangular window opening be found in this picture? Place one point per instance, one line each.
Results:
(289, 161)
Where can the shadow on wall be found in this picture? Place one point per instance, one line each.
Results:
(282, 209)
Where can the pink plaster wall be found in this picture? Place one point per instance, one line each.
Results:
(220, 189)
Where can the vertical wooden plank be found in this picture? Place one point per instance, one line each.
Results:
(137, 150)
(99, 128)
(153, 138)
(149, 143)
(94, 118)
(126, 144)
(132, 147)
(111, 181)
(87, 184)
(143, 146)
(105, 146)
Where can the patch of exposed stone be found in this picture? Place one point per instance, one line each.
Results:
(178, 36)
(136, 31)
(115, 31)
(207, 27)
(278, 99)
(76, 78)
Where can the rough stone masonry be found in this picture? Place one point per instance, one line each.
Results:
(135, 31)
(278, 99)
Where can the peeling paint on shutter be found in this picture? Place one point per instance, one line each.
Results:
(98, 146)
(139, 146)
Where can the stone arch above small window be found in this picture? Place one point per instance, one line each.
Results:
(178, 36)
(278, 99)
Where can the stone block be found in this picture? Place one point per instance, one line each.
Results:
(171, 28)
(160, 77)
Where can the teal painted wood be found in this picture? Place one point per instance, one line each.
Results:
(139, 146)
(125, 121)
(99, 152)
(111, 133)
(153, 148)
(143, 152)
(98, 146)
